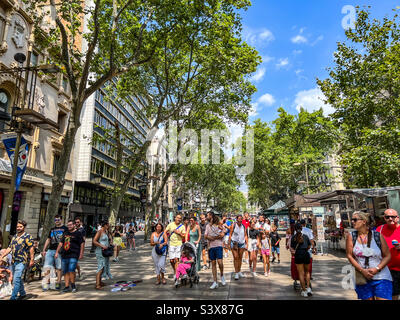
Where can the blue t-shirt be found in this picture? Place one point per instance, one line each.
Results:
(228, 223)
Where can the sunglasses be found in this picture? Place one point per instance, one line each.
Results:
(355, 219)
(391, 217)
(57, 219)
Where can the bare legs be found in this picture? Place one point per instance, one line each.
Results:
(304, 275)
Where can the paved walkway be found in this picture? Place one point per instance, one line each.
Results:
(327, 274)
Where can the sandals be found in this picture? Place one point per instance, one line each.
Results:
(164, 281)
(99, 288)
(158, 283)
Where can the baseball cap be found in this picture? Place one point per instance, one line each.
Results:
(302, 221)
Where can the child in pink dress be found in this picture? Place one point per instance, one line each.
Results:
(184, 265)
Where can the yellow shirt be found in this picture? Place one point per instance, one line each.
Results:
(175, 240)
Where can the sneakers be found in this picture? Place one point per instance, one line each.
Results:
(73, 290)
(309, 292)
(279, 261)
(58, 286)
(254, 274)
(176, 283)
(241, 275)
(66, 289)
(80, 276)
(114, 260)
(223, 282)
(184, 276)
(273, 259)
(269, 273)
(304, 294)
(266, 274)
(226, 255)
(214, 286)
(236, 276)
(204, 267)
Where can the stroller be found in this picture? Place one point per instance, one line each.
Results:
(36, 269)
(192, 274)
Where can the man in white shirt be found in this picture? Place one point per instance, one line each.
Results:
(308, 232)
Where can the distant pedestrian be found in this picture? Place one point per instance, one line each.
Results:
(214, 234)
(391, 233)
(253, 246)
(300, 244)
(117, 242)
(80, 228)
(159, 238)
(72, 245)
(186, 226)
(246, 223)
(203, 224)
(369, 254)
(227, 224)
(238, 241)
(275, 240)
(265, 252)
(194, 236)
(102, 241)
(130, 235)
(20, 247)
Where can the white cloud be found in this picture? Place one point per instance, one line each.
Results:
(257, 37)
(259, 75)
(282, 63)
(299, 71)
(299, 39)
(297, 52)
(266, 59)
(266, 99)
(254, 109)
(312, 100)
(266, 35)
(320, 38)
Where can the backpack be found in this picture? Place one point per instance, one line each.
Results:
(375, 234)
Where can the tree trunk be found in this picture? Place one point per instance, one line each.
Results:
(58, 181)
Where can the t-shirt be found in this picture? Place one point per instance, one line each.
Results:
(71, 244)
(20, 247)
(214, 231)
(175, 240)
(228, 224)
(253, 233)
(308, 232)
(203, 229)
(264, 226)
(274, 239)
(390, 235)
(302, 248)
(82, 231)
(55, 236)
(246, 223)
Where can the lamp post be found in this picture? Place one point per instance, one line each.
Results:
(26, 115)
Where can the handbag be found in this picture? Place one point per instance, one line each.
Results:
(160, 251)
(360, 279)
(108, 252)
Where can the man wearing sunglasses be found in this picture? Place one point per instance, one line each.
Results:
(53, 239)
(79, 227)
(391, 233)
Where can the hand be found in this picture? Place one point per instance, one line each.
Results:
(43, 253)
(80, 257)
(31, 263)
(372, 271)
(314, 250)
(104, 247)
(56, 255)
(366, 274)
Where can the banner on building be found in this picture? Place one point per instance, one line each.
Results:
(9, 141)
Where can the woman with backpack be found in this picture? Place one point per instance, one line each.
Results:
(159, 242)
(369, 254)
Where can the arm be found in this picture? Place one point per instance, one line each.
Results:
(230, 234)
(32, 254)
(152, 243)
(46, 244)
(58, 249)
(96, 239)
(187, 237)
(198, 228)
(6, 252)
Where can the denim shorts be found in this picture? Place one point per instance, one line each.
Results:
(375, 288)
(50, 261)
(275, 249)
(240, 245)
(215, 253)
(69, 265)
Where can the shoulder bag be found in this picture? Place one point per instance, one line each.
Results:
(160, 251)
(360, 279)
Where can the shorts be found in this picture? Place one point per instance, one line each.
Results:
(174, 252)
(69, 265)
(303, 258)
(396, 282)
(204, 245)
(375, 288)
(240, 245)
(276, 249)
(117, 241)
(265, 252)
(215, 253)
(50, 261)
(252, 245)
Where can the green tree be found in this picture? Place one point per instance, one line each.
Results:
(289, 139)
(364, 88)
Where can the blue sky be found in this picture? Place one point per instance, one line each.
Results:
(297, 39)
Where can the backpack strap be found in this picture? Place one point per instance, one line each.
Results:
(354, 236)
(377, 238)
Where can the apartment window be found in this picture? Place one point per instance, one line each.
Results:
(34, 59)
(65, 84)
(62, 121)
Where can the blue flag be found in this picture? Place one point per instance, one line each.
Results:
(10, 142)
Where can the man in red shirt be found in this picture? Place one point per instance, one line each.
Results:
(391, 233)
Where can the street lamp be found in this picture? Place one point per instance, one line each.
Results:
(26, 115)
